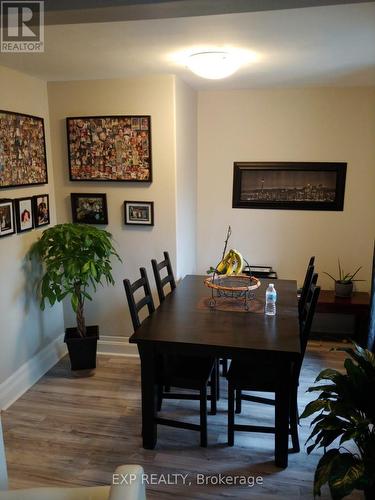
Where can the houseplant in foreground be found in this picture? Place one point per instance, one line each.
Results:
(76, 257)
(347, 413)
(344, 283)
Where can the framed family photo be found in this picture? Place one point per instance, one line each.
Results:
(109, 148)
(22, 150)
(89, 208)
(7, 225)
(289, 185)
(139, 213)
(41, 210)
(24, 214)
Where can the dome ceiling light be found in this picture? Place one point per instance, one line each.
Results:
(213, 64)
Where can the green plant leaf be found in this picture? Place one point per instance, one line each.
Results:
(345, 473)
(328, 374)
(323, 469)
(314, 406)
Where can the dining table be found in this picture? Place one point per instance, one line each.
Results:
(187, 323)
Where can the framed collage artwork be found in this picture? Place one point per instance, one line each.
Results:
(109, 148)
(22, 150)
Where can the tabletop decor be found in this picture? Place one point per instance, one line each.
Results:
(289, 185)
(109, 148)
(227, 280)
(345, 281)
(76, 258)
(22, 150)
(346, 412)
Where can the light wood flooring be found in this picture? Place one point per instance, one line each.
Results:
(75, 431)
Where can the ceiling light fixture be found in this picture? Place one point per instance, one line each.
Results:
(213, 64)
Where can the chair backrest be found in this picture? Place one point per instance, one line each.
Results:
(308, 313)
(311, 261)
(3, 464)
(169, 278)
(371, 326)
(146, 300)
(306, 286)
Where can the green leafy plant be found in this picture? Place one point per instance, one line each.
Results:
(346, 409)
(75, 257)
(344, 277)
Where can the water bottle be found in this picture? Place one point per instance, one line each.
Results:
(271, 295)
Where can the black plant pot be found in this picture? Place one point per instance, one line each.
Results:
(82, 350)
(344, 289)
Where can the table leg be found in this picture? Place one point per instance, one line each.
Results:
(282, 407)
(149, 396)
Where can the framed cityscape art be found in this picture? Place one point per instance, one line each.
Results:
(289, 185)
(22, 150)
(109, 148)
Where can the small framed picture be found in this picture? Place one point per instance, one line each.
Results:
(24, 214)
(7, 225)
(41, 210)
(89, 208)
(139, 213)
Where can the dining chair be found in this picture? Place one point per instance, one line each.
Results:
(165, 267)
(168, 279)
(306, 285)
(262, 377)
(175, 370)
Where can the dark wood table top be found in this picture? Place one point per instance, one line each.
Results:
(182, 320)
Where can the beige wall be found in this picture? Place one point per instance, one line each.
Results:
(137, 245)
(25, 330)
(186, 177)
(288, 125)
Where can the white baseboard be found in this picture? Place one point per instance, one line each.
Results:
(116, 346)
(31, 371)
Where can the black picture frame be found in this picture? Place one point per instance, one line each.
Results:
(7, 222)
(289, 185)
(126, 140)
(41, 210)
(139, 213)
(89, 208)
(20, 132)
(23, 213)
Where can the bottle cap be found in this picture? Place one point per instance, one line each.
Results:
(271, 284)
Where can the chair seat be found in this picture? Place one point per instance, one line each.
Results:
(186, 372)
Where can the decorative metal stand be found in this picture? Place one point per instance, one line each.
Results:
(233, 287)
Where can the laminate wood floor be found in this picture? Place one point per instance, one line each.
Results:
(74, 431)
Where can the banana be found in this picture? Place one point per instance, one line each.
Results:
(223, 264)
(232, 263)
(239, 261)
(231, 266)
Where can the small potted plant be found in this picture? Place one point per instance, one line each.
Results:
(346, 409)
(344, 283)
(76, 257)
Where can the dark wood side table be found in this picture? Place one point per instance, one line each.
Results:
(357, 305)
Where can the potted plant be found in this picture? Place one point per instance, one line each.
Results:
(347, 412)
(344, 283)
(75, 257)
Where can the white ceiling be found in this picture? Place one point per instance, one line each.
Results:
(317, 46)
